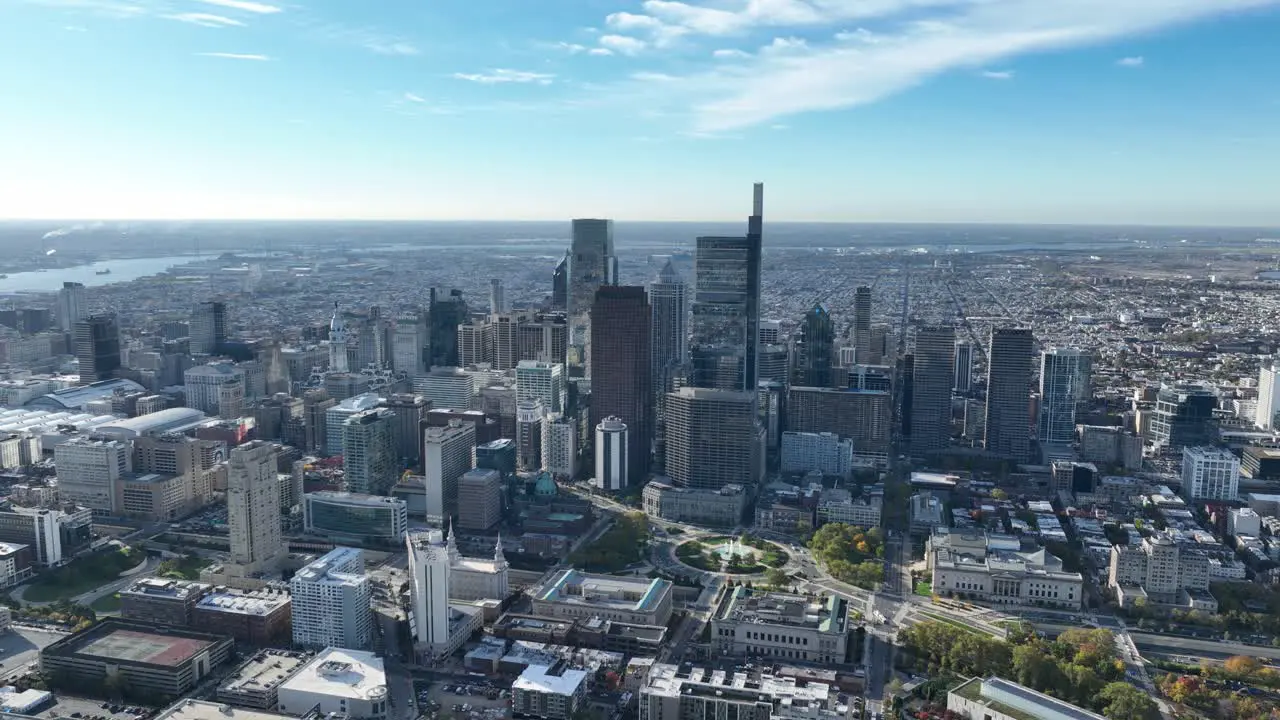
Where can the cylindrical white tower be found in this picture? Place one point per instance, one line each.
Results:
(429, 564)
(529, 419)
(611, 454)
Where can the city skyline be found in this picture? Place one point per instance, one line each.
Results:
(1004, 111)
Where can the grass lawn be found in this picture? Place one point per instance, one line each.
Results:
(81, 575)
(187, 567)
(107, 603)
(953, 623)
(924, 589)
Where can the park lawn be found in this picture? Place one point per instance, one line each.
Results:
(107, 603)
(81, 575)
(953, 623)
(924, 589)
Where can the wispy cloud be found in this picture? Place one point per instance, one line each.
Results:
(245, 5)
(998, 74)
(206, 20)
(571, 48)
(1131, 62)
(236, 56)
(120, 9)
(623, 44)
(373, 40)
(410, 97)
(599, 51)
(504, 75)
(730, 54)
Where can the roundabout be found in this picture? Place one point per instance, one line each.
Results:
(731, 555)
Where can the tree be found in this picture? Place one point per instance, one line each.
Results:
(1242, 666)
(999, 494)
(777, 577)
(1122, 701)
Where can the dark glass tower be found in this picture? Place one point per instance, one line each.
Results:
(560, 285)
(815, 346)
(1009, 393)
(97, 344)
(209, 327)
(862, 326)
(621, 377)
(932, 375)
(446, 313)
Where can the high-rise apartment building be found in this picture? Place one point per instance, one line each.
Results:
(253, 507)
(72, 305)
(530, 415)
(445, 314)
(479, 499)
(621, 379)
(592, 264)
(1210, 473)
(1064, 386)
(933, 375)
(208, 327)
(560, 446)
(430, 564)
(331, 602)
(669, 333)
(336, 415)
(711, 438)
(406, 425)
(97, 347)
(1183, 417)
(368, 452)
(726, 307)
(964, 367)
(1008, 428)
(863, 416)
(541, 381)
(506, 338)
(1268, 397)
(88, 470)
(862, 325)
(815, 344)
(612, 461)
(447, 453)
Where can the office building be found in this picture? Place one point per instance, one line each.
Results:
(862, 325)
(1159, 569)
(560, 446)
(529, 419)
(409, 343)
(338, 342)
(774, 364)
(506, 338)
(573, 594)
(50, 534)
(964, 367)
(1008, 423)
(669, 329)
(497, 455)
(621, 379)
(161, 601)
(541, 381)
(497, 297)
(560, 284)
(339, 682)
(612, 466)
(216, 389)
(711, 438)
(814, 349)
(315, 426)
(863, 416)
(446, 387)
(549, 692)
(368, 452)
(545, 339)
(932, 378)
(336, 416)
(429, 567)
(1110, 445)
(592, 264)
(726, 307)
(1210, 474)
(1260, 463)
(1064, 387)
(684, 692)
(153, 496)
(722, 507)
(358, 519)
(96, 340)
(445, 313)
(827, 453)
(260, 617)
(780, 626)
(479, 499)
(208, 327)
(995, 698)
(1183, 416)
(331, 602)
(406, 425)
(475, 343)
(447, 453)
(88, 470)
(72, 306)
(994, 569)
(253, 508)
(770, 332)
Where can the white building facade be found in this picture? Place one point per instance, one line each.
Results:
(611, 454)
(1210, 474)
(331, 602)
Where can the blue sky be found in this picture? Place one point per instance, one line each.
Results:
(1098, 111)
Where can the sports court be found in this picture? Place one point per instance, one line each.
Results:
(143, 647)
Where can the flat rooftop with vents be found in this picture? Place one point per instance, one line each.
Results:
(579, 595)
(256, 682)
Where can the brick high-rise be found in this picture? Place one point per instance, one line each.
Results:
(621, 368)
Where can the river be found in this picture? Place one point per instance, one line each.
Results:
(121, 271)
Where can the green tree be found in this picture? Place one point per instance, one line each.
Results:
(1122, 701)
(777, 578)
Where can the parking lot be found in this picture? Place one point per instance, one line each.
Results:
(463, 700)
(89, 709)
(20, 649)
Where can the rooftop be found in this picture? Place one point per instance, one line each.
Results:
(1019, 702)
(340, 673)
(203, 710)
(775, 608)
(348, 498)
(154, 423)
(556, 679)
(166, 588)
(265, 670)
(260, 603)
(78, 397)
(789, 696)
(118, 641)
(575, 586)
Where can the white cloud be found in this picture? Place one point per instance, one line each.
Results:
(600, 51)
(1131, 62)
(730, 54)
(571, 48)
(623, 44)
(503, 75)
(245, 5)
(206, 20)
(369, 39)
(393, 48)
(652, 77)
(410, 97)
(236, 56)
(626, 21)
(998, 74)
(784, 45)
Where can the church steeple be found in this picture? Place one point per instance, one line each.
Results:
(499, 560)
(451, 546)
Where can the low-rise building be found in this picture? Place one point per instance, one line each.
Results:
(782, 626)
(573, 594)
(256, 683)
(1160, 570)
(356, 518)
(720, 508)
(970, 563)
(261, 617)
(999, 699)
(554, 692)
(161, 601)
(681, 692)
(15, 563)
(348, 682)
(838, 505)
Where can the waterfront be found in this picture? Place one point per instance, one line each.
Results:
(121, 271)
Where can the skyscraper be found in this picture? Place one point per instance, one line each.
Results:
(208, 327)
(529, 418)
(1064, 386)
(669, 334)
(560, 285)
(814, 349)
(337, 341)
(253, 507)
(1268, 397)
(97, 345)
(445, 314)
(612, 455)
(1183, 417)
(541, 381)
(497, 297)
(430, 563)
(72, 305)
(447, 453)
(1009, 393)
(862, 325)
(368, 452)
(621, 364)
(726, 307)
(932, 376)
(712, 438)
(592, 264)
(964, 367)
(331, 602)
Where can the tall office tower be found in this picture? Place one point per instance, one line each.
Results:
(497, 298)
(88, 471)
(475, 343)
(272, 417)
(544, 339)
(1268, 397)
(560, 446)
(506, 339)
(315, 407)
(337, 342)
(498, 455)
(447, 453)
(368, 452)
(669, 333)
(1009, 393)
(621, 360)
(406, 434)
(208, 327)
(884, 347)
(933, 374)
(774, 364)
(1183, 417)
(770, 332)
(592, 264)
(863, 416)
(97, 346)
(711, 438)
(72, 305)
(862, 325)
(372, 341)
(430, 562)
(906, 395)
(331, 602)
(612, 462)
(963, 381)
(541, 381)
(530, 415)
(479, 499)
(814, 349)
(560, 285)
(1064, 387)
(253, 507)
(446, 387)
(445, 314)
(726, 307)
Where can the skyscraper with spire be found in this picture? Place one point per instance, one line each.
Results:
(337, 341)
(814, 349)
(592, 264)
